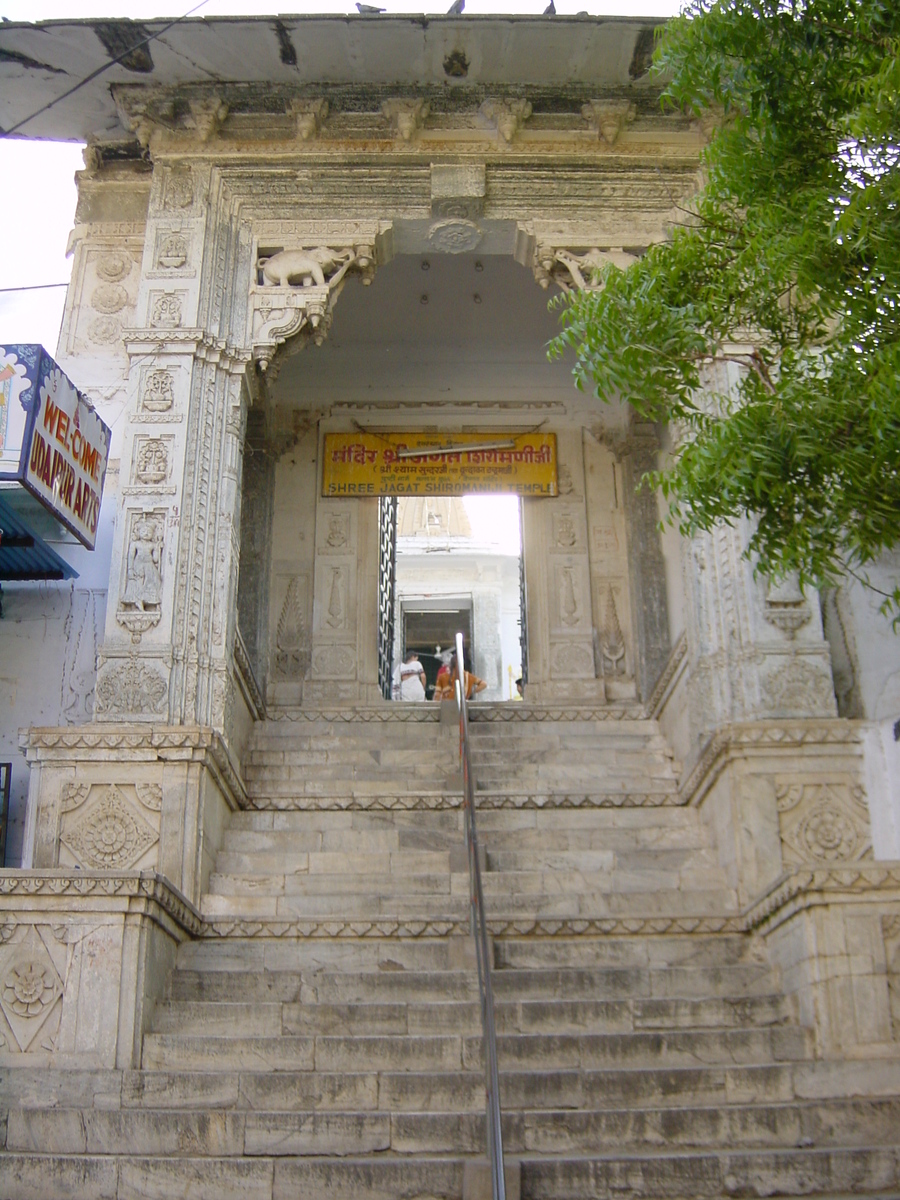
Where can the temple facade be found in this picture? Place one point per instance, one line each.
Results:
(289, 230)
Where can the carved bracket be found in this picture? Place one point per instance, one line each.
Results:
(310, 116)
(607, 118)
(573, 270)
(507, 116)
(297, 292)
(150, 111)
(405, 116)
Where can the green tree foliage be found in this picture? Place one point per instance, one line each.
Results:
(788, 263)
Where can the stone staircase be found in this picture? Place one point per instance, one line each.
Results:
(322, 1039)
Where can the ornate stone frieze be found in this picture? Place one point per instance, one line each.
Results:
(148, 112)
(140, 887)
(813, 887)
(763, 737)
(493, 801)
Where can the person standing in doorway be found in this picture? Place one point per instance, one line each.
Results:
(409, 678)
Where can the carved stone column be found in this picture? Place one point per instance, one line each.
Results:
(647, 575)
(167, 651)
(561, 658)
(756, 650)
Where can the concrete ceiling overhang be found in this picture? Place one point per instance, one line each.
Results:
(41, 63)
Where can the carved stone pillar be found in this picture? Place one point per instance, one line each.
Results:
(167, 653)
(647, 573)
(756, 650)
(561, 659)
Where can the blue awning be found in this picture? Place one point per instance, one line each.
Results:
(23, 555)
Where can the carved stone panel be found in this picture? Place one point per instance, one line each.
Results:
(32, 964)
(823, 823)
(152, 461)
(572, 660)
(110, 829)
(166, 310)
(157, 395)
(569, 598)
(334, 661)
(132, 687)
(292, 644)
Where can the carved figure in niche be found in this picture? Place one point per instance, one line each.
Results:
(143, 572)
(159, 393)
(152, 464)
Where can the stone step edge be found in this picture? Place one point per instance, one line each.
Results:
(396, 712)
(439, 801)
(550, 1114)
(497, 927)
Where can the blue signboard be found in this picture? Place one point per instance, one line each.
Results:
(51, 439)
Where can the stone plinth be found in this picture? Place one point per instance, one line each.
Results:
(83, 957)
(130, 798)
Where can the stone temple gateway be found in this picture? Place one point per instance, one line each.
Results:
(235, 959)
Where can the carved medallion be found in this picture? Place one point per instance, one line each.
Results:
(454, 236)
(111, 835)
(114, 266)
(104, 331)
(30, 986)
(109, 298)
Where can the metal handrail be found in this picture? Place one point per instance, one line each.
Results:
(479, 931)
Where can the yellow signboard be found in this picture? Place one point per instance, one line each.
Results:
(435, 464)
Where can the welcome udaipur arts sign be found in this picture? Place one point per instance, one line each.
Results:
(51, 440)
(429, 464)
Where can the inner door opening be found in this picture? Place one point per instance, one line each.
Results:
(458, 568)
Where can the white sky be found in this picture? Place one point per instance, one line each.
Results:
(37, 197)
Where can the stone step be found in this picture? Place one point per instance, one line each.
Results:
(217, 1132)
(634, 985)
(271, 957)
(326, 1052)
(270, 1018)
(285, 1090)
(452, 904)
(815, 1173)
